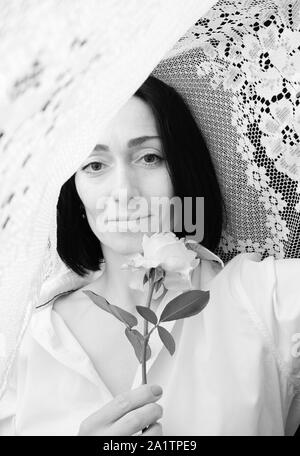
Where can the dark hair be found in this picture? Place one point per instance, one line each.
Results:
(191, 171)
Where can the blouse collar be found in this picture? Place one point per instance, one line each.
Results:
(69, 281)
(49, 329)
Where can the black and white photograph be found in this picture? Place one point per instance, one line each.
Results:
(149, 297)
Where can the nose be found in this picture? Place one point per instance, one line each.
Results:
(124, 181)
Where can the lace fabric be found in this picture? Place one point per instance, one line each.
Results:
(238, 68)
(66, 69)
(236, 63)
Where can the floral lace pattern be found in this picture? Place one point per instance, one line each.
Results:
(238, 69)
(66, 69)
(246, 55)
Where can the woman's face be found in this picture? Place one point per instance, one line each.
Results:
(122, 177)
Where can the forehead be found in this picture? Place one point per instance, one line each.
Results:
(134, 118)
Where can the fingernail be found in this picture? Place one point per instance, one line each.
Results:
(156, 390)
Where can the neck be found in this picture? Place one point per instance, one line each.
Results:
(115, 283)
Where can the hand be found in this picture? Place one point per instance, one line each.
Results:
(127, 414)
(154, 429)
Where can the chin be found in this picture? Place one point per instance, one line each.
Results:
(126, 243)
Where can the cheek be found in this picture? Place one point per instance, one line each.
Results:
(159, 184)
(87, 192)
(150, 184)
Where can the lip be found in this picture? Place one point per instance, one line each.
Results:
(127, 219)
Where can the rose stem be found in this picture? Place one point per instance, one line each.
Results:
(146, 336)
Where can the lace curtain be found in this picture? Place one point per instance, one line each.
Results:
(66, 67)
(238, 68)
(67, 64)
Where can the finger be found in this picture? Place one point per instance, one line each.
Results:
(130, 400)
(138, 419)
(153, 429)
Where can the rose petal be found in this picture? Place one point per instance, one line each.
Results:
(156, 242)
(177, 281)
(176, 257)
(136, 280)
(159, 292)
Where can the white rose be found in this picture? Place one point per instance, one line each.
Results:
(171, 254)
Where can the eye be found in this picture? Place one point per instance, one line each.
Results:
(152, 159)
(93, 167)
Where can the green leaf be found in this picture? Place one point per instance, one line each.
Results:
(121, 314)
(147, 313)
(137, 341)
(158, 285)
(145, 279)
(167, 339)
(151, 274)
(185, 305)
(155, 274)
(192, 246)
(159, 274)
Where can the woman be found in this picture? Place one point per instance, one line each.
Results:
(236, 368)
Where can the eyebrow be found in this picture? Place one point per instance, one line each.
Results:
(131, 143)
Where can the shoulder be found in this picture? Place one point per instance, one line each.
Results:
(64, 284)
(256, 278)
(72, 305)
(269, 289)
(246, 267)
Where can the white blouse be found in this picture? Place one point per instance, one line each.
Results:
(235, 370)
